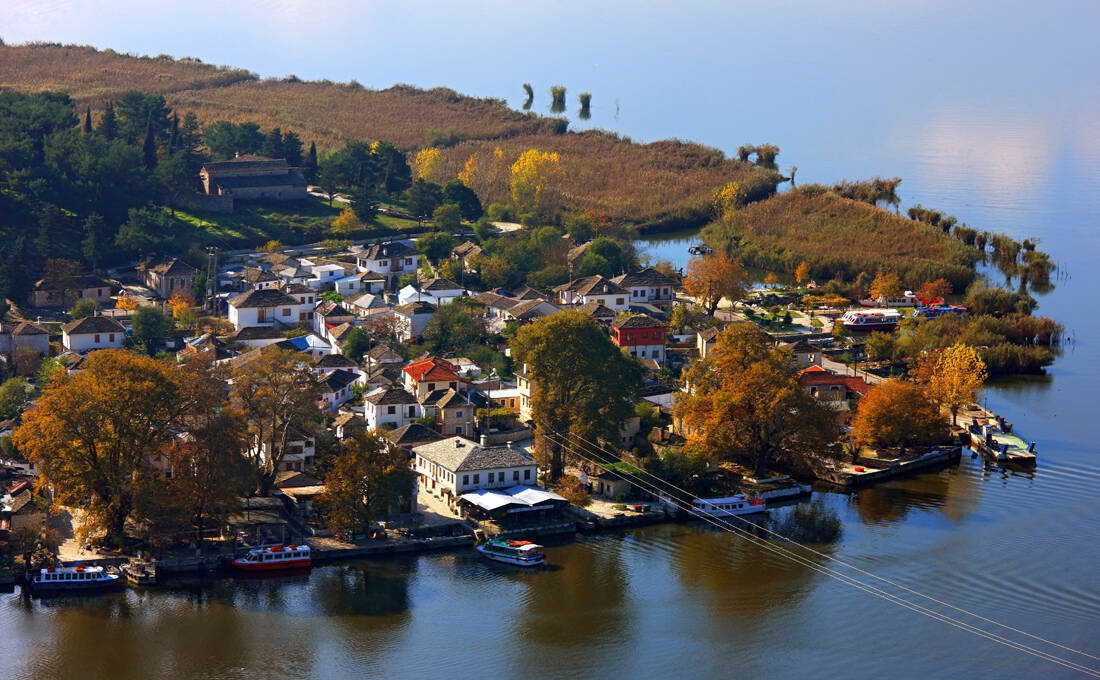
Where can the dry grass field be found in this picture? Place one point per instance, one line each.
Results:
(664, 181)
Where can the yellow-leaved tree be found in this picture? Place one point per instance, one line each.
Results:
(428, 165)
(126, 302)
(487, 173)
(802, 274)
(898, 413)
(713, 277)
(954, 376)
(182, 304)
(346, 222)
(728, 198)
(536, 183)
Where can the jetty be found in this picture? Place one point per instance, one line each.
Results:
(867, 471)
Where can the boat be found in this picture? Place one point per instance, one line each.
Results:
(998, 444)
(139, 573)
(871, 319)
(73, 579)
(518, 553)
(940, 310)
(700, 250)
(729, 506)
(275, 558)
(910, 299)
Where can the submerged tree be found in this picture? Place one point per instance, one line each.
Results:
(557, 95)
(530, 96)
(586, 105)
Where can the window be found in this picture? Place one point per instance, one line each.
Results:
(477, 478)
(408, 260)
(619, 301)
(111, 337)
(454, 386)
(431, 386)
(527, 473)
(391, 410)
(383, 262)
(97, 337)
(286, 311)
(458, 414)
(515, 475)
(412, 411)
(490, 477)
(465, 479)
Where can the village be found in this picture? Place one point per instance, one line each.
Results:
(468, 428)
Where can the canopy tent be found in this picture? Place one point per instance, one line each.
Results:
(521, 496)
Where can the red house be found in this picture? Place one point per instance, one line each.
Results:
(641, 335)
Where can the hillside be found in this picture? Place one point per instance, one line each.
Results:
(840, 237)
(667, 181)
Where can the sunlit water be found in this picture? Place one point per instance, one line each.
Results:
(988, 111)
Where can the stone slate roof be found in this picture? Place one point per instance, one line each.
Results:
(648, 277)
(466, 249)
(526, 292)
(257, 275)
(267, 297)
(597, 309)
(529, 309)
(28, 328)
(709, 334)
(290, 178)
(638, 321)
(462, 455)
(799, 347)
(72, 283)
(369, 301)
(334, 361)
(371, 275)
(413, 433)
(496, 301)
(441, 284)
(592, 285)
(172, 266)
(93, 324)
(337, 380)
(340, 331)
(255, 333)
(378, 251)
(392, 397)
(245, 162)
(417, 307)
(298, 289)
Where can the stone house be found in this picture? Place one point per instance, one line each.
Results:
(392, 260)
(410, 319)
(66, 291)
(23, 335)
(253, 177)
(594, 288)
(391, 408)
(648, 285)
(165, 277)
(266, 307)
(454, 466)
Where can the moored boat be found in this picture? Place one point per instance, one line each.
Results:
(910, 299)
(940, 310)
(728, 506)
(275, 558)
(871, 319)
(518, 553)
(73, 579)
(139, 573)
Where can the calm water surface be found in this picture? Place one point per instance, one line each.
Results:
(988, 110)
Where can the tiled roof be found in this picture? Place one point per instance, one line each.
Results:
(461, 455)
(432, 368)
(291, 178)
(298, 289)
(530, 309)
(709, 334)
(417, 307)
(392, 397)
(526, 292)
(257, 275)
(334, 361)
(245, 162)
(28, 328)
(378, 251)
(413, 433)
(338, 332)
(638, 321)
(466, 249)
(496, 301)
(266, 297)
(371, 275)
(597, 309)
(441, 284)
(255, 333)
(337, 380)
(649, 277)
(93, 324)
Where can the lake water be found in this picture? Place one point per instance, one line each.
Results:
(987, 110)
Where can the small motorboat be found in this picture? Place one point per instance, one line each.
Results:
(73, 579)
(729, 506)
(518, 553)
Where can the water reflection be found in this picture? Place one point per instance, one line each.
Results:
(364, 589)
(951, 493)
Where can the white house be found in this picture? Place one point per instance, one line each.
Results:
(410, 319)
(92, 332)
(324, 274)
(436, 292)
(648, 285)
(393, 260)
(335, 388)
(368, 304)
(23, 335)
(300, 451)
(594, 288)
(454, 466)
(307, 299)
(266, 307)
(357, 283)
(391, 407)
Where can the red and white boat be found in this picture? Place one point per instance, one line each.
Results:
(910, 299)
(275, 558)
(871, 319)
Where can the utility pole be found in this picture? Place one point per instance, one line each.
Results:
(212, 280)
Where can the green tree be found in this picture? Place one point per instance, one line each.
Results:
(13, 397)
(93, 245)
(423, 198)
(145, 230)
(108, 124)
(309, 167)
(273, 144)
(367, 480)
(582, 384)
(464, 197)
(88, 121)
(455, 326)
(447, 218)
(149, 325)
(356, 343)
(149, 147)
(435, 246)
(84, 307)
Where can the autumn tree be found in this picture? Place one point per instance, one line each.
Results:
(802, 273)
(92, 433)
(488, 174)
(934, 289)
(182, 304)
(713, 277)
(582, 384)
(727, 198)
(367, 479)
(346, 222)
(428, 165)
(278, 394)
(746, 404)
(954, 376)
(898, 413)
(886, 286)
(126, 302)
(536, 183)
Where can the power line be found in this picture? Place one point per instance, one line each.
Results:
(832, 573)
(865, 572)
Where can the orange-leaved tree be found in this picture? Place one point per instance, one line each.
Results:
(368, 479)
(802, 273)
(126, 302)
(93, 433)
(931, 290)
(898, 413)
(487, 173)
(713, 277)
(745, 403)
(954, 376)
(886, 286)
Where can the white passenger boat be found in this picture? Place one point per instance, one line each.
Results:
(275, 558)
(871, 319)
(519, 553)
(73, 579)
(730, 506)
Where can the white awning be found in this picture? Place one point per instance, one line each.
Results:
(490, 500)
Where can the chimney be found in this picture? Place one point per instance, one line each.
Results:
(484, 440)
(507, 445)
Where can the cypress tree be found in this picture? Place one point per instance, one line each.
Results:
(108, 126)
(88, 120)
(149, 148)
(310, 166)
